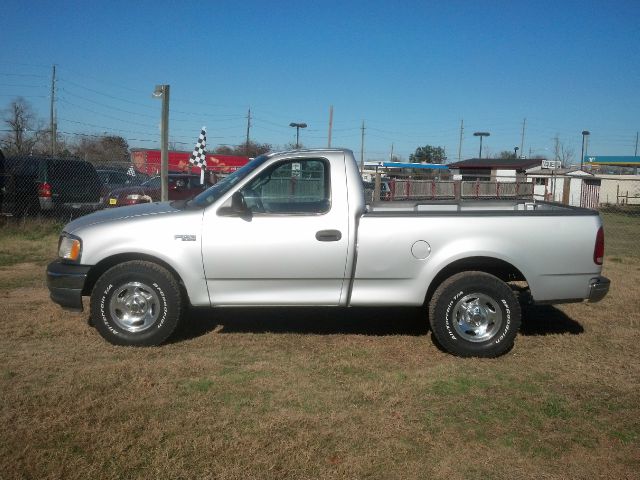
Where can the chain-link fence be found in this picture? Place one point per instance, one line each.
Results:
(32, 186)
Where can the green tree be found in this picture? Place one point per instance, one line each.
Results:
(428, 154)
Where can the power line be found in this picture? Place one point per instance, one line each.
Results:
(97, 92)
(22, 75)
(106, 106)
(22, 85)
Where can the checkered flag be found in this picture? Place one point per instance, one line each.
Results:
(197, 158)
(131, 172)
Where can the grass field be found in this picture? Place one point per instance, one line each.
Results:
(313, 393)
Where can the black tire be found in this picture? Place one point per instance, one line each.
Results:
(136, 303)
(474, 314)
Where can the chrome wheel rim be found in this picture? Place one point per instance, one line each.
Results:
(134, 307)
(477, 317)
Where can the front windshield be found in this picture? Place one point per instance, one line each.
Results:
(213, 193)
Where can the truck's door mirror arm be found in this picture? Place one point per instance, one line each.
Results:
(238, 207)
(238, 204)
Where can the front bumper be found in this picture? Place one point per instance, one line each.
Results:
(598, 288)
(66, 282)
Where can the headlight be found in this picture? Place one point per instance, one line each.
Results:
(69, 248)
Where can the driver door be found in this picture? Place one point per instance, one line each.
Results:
(290, 248)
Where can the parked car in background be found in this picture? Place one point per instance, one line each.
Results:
(112, 179)
(116, 178)
(182, 186)
(38, 184)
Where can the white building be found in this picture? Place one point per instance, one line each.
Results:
(568, 186)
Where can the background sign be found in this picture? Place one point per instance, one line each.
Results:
(551, 164)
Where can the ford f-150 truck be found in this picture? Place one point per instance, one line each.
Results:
(293, 229)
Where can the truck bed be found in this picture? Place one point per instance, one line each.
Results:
(474, 207)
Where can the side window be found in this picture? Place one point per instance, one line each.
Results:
(292, 187)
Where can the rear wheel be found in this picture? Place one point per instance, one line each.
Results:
(474, 314)
(136, 303)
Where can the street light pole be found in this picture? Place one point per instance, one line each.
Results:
(585, 133)
(162, 91)
(481, 134)
(298, 126)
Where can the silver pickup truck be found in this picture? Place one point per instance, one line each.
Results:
(293, 229)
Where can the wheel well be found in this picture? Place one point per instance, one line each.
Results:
(97, 270)
(493, 266)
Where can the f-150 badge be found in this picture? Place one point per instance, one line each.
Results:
(185, 238)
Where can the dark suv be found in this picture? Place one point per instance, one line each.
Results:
(56, 185)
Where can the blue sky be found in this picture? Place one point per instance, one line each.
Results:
(410, 70)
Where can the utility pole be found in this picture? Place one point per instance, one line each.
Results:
(162, 91)
(635, 154)
(391, 156)
(585, 143)
(460, 143)
(481, 135)
(246, 146)
(362, 150)
(330, 125)
(524, 123)
(52, 126)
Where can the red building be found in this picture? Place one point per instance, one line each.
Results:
(148, 161)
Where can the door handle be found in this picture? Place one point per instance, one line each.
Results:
(328, 235)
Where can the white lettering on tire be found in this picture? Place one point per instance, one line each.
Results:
(164, 305)
(102, 312)
(508, 324)
(448, 319)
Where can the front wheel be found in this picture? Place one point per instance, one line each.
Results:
(136, 303)
(474, 314)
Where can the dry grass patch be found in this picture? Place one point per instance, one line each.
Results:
(320, 393)
(28, 240)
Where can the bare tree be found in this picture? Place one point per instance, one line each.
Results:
(102, 150)
(562, 153)
(252, 149)
(224, 150)
(292, 146)
(506, 155)
(41, 144)
(20, 119)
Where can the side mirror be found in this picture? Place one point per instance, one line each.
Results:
(238, 204)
